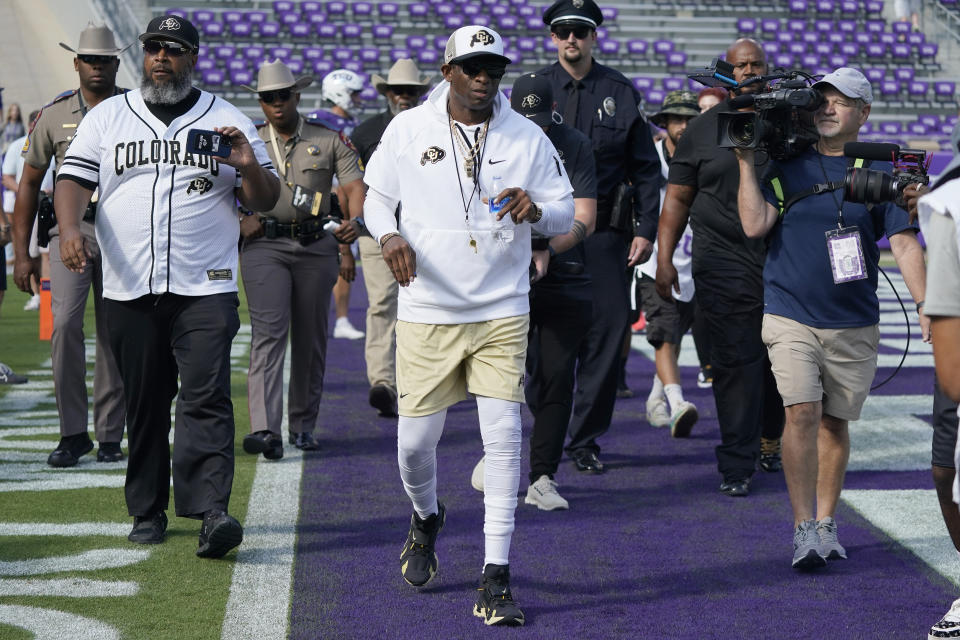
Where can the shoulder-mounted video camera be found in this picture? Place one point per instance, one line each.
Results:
(782, 122)
(870, 186)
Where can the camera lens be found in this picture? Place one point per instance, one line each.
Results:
(743, 133)
(871, 187)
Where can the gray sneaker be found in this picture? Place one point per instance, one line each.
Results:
(829, 544)
(543, 495)
(806, 546)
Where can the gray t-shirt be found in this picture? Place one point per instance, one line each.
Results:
(943, 268)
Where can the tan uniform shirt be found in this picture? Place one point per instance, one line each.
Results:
(312, 156)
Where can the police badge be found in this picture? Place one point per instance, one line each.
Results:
(610, 106)
(313, 150)
(578, 4)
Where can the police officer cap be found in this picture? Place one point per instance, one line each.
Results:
(566, 11)
(172, 28)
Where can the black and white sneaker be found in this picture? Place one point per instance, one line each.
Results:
(495, 603)
(949, 624)
(418, 560)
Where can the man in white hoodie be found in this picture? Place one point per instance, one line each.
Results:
(472, 178)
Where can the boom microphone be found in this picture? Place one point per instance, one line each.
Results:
(880, 151)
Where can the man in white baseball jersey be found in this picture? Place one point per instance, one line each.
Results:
(472, 177)
(168, 229)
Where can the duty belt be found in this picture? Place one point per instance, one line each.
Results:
(306, 232)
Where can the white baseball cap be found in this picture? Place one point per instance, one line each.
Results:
(849, 82)
(473, 41)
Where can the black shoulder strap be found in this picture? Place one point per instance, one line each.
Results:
(785, 203)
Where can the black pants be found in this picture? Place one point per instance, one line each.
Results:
(155, 338)
(748, 403)
(599, 357)
(557, 324)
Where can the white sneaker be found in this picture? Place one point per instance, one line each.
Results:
(33, 304)
(949, 625)
(543, 494)
(343, 329)
(683, 419)
(657, 414)
(476, 479)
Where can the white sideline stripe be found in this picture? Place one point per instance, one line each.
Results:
(912, 518)
(66, 481)
(46, 624)
(68, 588)
(92, 560)
(889, 436)
(76, 529)
(259, 604)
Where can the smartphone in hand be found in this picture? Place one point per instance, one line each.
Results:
(208, 143)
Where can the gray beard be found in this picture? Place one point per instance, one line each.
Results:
(171, 92)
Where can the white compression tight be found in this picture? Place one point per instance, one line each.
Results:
(417, 440)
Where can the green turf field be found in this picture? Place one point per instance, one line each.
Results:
(161, 591)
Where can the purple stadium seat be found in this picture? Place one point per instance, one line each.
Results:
(835, 37)
(224, 51)
(867, 128)
(637, 47)
(337, 8)
(838, 60)
(655, 97)
(416, 42)
(213, 77)
(237, 63)
(322, 67)
(783, 60)
(875, 74)
(382, 31)
(862, 38)
(676, 59)
(269, 29)
(929, 119)
(230, 17)
(212, 29)
(351, 31)
(849, 7)
(662, 47)
(369, 55)
(809, 60)
(823, 48)
(315, 17)
(944, 90)
(876, 51)
(428, 57)
(241, 76)
(311, 6)
(928, 51)
(388, 9)
(418, 10)
(796, 48)
(889, 88)
(886, 38)
(798, 6)
(525, 11)
(900, 51)
(770, 25)
(526, 44)
(361, 10)
(312, 52)
(824, 26)
(256, 17)
(471, 10)
(850, 49)
(918, 89)
(496, 10)
(300, 30)
(643, 84)
(610, 13)
(810, 37)
(825, 6)
(508, 23)
(399, 52)
(874, 7)
(341, 54)
(295, 65)
(534, 23)
(746, 25)
(796, 25)
(369, 94)
(241, 29)
(891, 127)
(610, 46)
(453, 22)
(900, 27)
(279, 6)
(327, 31)
(440, 42)
(904, 74)
(916, 39)
(786, 36)
(771, 48)
(444, 9)
(202, 16)
(205, 64)
(288, 18)
(253, 52)
(281, 53)
(672, 84)
(875, 26)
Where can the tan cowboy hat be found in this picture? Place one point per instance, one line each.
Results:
(96, 40)
(403, 73)
(276, 75)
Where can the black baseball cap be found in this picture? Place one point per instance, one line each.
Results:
(532, 97)
(172, 28)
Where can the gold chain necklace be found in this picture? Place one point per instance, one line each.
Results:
(469, 152)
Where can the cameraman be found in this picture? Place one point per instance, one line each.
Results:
(821, 313)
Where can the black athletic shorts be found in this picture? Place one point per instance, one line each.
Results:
(944, 429)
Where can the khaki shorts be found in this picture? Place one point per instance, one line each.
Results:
(438, 363)
(835, 366)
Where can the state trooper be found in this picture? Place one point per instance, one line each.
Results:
(289, 261)
(96, 64)
(403, 87)
(605, 106)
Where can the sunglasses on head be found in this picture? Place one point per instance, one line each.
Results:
(87, 59)
(495, 70)
(173, 49)
(579, 32)
(282, 95)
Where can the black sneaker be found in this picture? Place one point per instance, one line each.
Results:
(735, 487)
(384, 400)
(219, 533)
(265, 442)
(69, 450)
(418, 560)
(149, 529)
(495, 602)
(305, 441)
(770, 459)
(109, 452)
(587, 461)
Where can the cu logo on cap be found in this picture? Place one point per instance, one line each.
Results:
(170, 24)
(483, 38)
(530, 102)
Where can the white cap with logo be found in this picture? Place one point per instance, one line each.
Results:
(473, 41)
(849, 82)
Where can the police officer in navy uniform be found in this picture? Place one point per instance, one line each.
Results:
(604, 105)
(96, 63)
(289, 263)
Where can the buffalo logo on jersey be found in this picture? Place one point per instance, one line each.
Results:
(530, 102)
(170, 24)
(483, 38)
(433, 155)
(201, 185)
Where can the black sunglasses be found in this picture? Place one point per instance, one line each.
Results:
(405, 90)
(173, 49)
(579, 32)
(495, 70)
(268, 97)
(87, 59)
